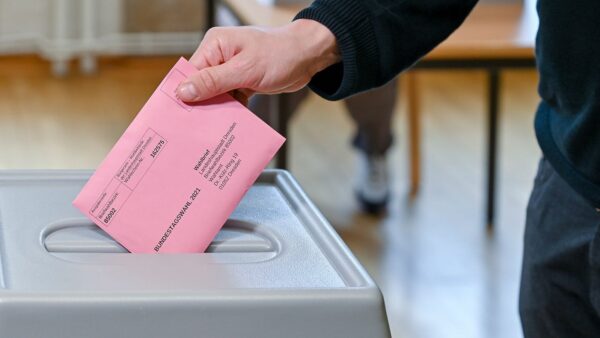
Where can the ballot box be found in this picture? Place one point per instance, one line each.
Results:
(277, 269)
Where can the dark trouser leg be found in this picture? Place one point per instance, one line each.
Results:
(372, 111)
(560, 278)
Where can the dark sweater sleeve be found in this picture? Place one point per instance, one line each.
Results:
(380, 38)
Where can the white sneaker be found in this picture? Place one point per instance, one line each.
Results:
(373, 182)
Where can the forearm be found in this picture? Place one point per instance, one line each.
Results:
(342, 47)
(377, 39)
(316, 44)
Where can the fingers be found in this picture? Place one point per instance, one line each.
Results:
(217, 46)
(216, 74)
(199, 59)
(209, 82)
(208, 54)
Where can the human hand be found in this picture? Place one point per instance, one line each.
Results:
(248, 60)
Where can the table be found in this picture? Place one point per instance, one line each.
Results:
(494, 37)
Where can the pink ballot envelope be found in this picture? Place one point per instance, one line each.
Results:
(178, 171)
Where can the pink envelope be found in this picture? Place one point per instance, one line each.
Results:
(178, 172)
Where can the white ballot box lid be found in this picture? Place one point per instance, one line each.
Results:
(276, 269)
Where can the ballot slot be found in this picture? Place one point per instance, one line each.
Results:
(82, 236)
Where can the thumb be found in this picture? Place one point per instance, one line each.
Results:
(208, 82)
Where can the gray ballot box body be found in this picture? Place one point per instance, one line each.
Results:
(276, 269)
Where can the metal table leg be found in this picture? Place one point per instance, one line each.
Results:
(414, 132)
(280, 117)
(210, 13)
(493, 102)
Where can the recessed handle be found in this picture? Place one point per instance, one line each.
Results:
(86, 237)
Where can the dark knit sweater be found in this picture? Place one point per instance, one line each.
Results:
(380, 38)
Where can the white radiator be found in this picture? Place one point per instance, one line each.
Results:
(63, 30)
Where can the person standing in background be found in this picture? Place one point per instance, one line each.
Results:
(372, 113)
(340, 48)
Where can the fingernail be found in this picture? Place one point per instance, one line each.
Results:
(187, 91)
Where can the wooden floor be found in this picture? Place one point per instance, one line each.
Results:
(440, 274)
